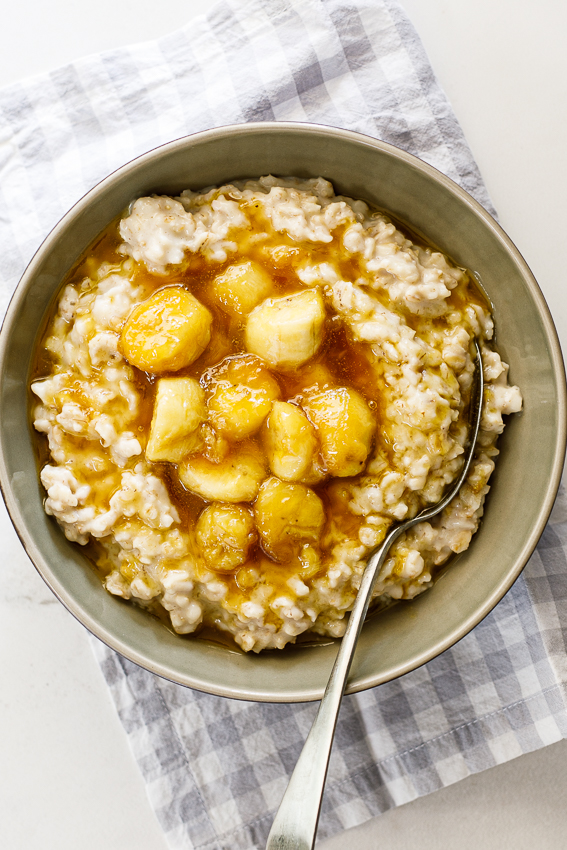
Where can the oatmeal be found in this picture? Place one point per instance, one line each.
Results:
(242, 389)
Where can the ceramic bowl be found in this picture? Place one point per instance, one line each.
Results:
(532, 448)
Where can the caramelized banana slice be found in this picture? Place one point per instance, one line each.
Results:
(287, 331)
(235, 479)
(242, 286)
(314, 377)
(225, 534)
(288, 516)
(167, 332)
(345, 426)
(179, 410)
(241, 394)
(290, 443)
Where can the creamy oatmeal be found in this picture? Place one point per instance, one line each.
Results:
(242, 389)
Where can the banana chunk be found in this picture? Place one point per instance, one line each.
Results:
(314, 377)
(179, 410)
(288, 517)
(290, 443)
(225, 534)
(166, 332)
(345, 426)
(287, 331)
(241, 391)
(242, 287)
(236, 478)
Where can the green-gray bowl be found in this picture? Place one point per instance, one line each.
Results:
(528, 470)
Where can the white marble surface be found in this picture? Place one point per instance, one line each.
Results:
(67, 779)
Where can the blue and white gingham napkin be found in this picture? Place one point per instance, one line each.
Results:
(215, 768)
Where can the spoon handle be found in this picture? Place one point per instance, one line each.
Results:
(295, 824)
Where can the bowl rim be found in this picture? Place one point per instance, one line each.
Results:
(361, 683)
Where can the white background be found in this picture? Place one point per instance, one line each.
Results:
(67, 778)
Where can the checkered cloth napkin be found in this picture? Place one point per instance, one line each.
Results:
(216, 768)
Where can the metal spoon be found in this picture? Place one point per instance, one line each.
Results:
(295, 824)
